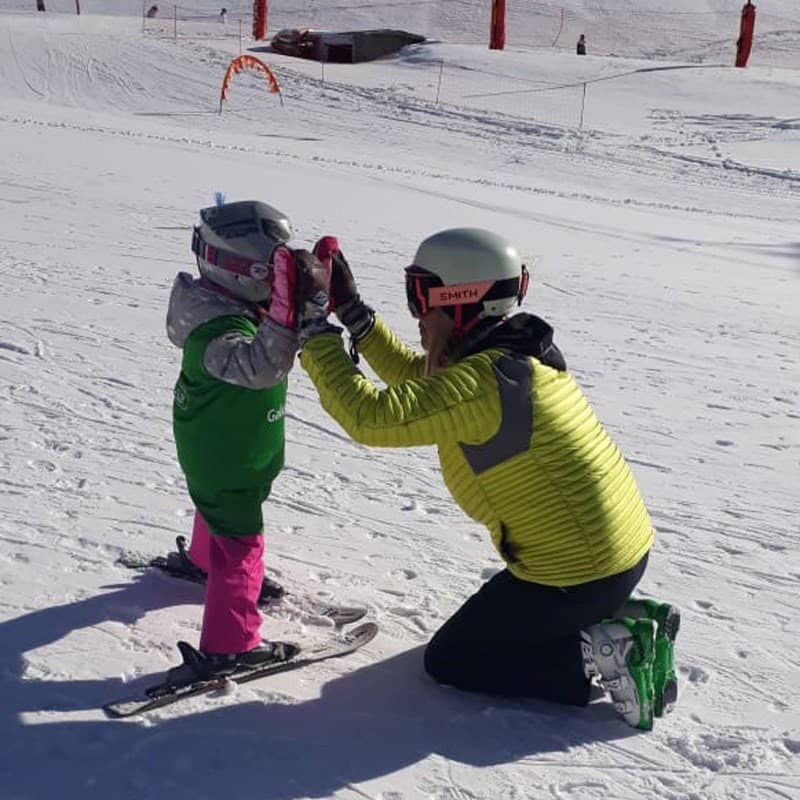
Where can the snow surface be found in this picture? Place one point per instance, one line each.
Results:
(666, 233)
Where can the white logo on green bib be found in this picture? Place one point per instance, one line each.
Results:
(274, 414)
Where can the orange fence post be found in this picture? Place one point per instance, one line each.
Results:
(259, 20)
(745, 41)
(497, 31)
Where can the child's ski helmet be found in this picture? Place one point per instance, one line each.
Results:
(469, 273)
(234, 245)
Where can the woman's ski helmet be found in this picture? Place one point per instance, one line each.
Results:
(469, 273)
(234, 245)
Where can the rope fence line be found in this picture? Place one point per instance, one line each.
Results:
(430, 84)
(567, 108)
(560, 26)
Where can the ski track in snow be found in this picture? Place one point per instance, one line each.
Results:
(669, 266)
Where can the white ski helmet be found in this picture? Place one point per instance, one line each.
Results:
(234, 246)
(470, 273)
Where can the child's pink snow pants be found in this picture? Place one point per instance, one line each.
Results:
(235, 567)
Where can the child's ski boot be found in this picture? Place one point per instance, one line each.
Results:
(179, 565)
(198, 666)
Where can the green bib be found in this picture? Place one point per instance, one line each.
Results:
(230, 439)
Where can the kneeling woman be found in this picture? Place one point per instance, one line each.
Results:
(521, 452)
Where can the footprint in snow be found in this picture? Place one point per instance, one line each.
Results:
(695, 674)
(408, 574)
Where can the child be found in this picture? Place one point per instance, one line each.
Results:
(238, 329)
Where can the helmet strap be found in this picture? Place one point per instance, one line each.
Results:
(446, 345)
(460, 327)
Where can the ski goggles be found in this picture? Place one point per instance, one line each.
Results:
(425, 291)
(250, 268)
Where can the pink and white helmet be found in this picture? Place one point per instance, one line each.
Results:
(234, 245)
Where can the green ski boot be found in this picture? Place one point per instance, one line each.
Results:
(668, 619)
(620, 652)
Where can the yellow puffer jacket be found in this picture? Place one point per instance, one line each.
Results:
(520, 448)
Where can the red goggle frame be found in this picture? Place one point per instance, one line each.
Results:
(249, 268)
(424, 290)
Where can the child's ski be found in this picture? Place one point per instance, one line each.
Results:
(164, 694)
(178, 565)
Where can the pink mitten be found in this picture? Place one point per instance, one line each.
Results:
(282, 305)
(326, 247)
(343, 297)
(343, 289)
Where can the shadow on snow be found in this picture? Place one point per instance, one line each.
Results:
(368, 723)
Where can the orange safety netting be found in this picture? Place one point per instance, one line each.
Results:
(241, 63)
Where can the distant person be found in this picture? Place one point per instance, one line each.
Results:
(521, 452)
(223, 15)
(152, 12)
(581, 48)
(40, 5)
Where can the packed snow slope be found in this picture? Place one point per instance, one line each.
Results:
(662, 218)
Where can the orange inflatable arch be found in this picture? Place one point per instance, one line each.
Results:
(241, 63)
